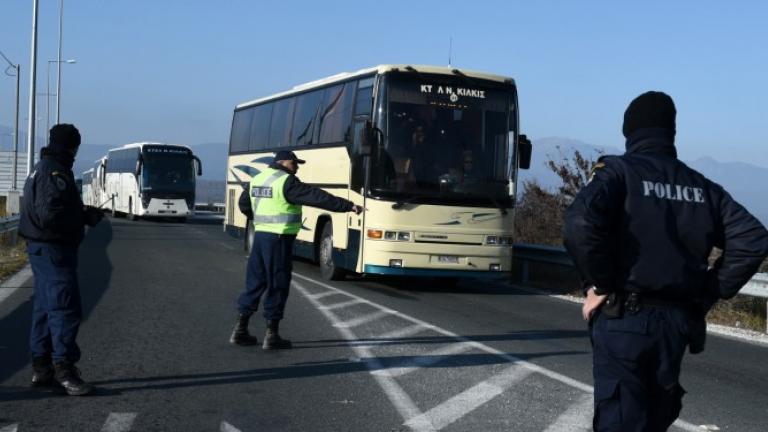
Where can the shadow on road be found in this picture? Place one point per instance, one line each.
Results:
(431, 340)
(95, 272)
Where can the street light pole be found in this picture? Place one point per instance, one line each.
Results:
(16, 121)
(58, 73)
(32, 89)
(48, 92)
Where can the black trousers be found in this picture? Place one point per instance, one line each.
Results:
(637, 367)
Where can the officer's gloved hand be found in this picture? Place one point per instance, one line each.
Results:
(92, 216)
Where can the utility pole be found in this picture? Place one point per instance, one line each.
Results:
(32, 90)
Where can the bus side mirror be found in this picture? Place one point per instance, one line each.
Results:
(199, 166)
(137, 171)
(524, 150)
(369, 136)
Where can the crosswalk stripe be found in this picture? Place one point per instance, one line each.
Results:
(119, 422)
(323, 294)
(10, 428)
(428, 359)
(577, 418)
(402, 332)
(362, 320)
(470, 399)
(341, 305)
(226, 427)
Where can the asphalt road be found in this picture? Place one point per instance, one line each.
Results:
(370, 354)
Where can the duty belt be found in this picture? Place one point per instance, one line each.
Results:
(634, 302)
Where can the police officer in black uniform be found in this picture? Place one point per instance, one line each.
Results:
(640, 233)
(52, 221)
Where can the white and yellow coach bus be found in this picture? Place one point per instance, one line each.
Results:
(431, 152)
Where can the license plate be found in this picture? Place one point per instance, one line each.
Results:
(447, 259)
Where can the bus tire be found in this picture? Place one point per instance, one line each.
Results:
(328, 269)
(131, 216)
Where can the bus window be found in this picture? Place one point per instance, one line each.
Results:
(241, 131)
(336, 114)
(304, 119)
(260, 127)
(280, 131)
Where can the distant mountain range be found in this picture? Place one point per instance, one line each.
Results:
(743, 181)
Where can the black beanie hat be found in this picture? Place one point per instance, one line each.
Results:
(650, 109)
(64, 137)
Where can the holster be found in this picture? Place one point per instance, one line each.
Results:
(613, 306)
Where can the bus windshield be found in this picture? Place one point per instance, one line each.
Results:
(168, 172)
(446, 142)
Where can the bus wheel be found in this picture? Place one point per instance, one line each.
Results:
(130, 216)
(328, 269)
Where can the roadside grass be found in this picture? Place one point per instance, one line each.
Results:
(2, 206)
(745, 312)
(12, 257)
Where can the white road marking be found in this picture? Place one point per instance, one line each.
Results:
(577, 418)
(428, 359)
(15, 282)
(341, 305)
(361, 320)
(323, 294)
(226, 427)
(402, 332)
(469, 400)
(682, 424)
(10, 428)
(119, 422)
(397, 396)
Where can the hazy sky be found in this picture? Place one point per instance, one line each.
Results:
(173, 70)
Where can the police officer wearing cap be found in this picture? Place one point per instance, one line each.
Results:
(640, 233)
(52, 221)
(273, 201)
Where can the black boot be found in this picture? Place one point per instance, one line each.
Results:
(272, 339)
(68, 376)
(240, 335)
(42, 371)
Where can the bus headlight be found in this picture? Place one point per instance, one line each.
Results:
(498, 240)
(378, 234)
(494, 267)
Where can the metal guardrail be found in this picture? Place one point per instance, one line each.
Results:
(756, 287)
(9, 223)
(212, 207)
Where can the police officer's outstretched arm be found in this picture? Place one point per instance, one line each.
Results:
(300, 193)
(589, 224)
(745, 246)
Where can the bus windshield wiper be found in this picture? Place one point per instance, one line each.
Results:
(401, 203)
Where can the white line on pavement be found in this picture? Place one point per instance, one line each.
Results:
(402, 332)
(226, 427)
(362, 320)
(482, 347)
(19, 280)
(318, 296)
(119, 422)
(577, 418)
(341, 305)
(397, 396)
(428, 359)
(469, 400)
(10, 428)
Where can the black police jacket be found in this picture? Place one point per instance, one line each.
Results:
(647, 223)
(297, 192)
(52, 210)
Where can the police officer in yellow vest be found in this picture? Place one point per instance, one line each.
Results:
(274, 201)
